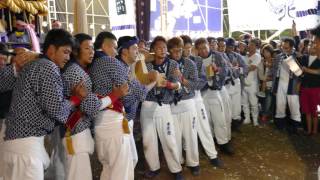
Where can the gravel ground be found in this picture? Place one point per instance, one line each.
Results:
(262, 153)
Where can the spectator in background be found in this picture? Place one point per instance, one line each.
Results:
(25, 36)
(213, 44)
(243, 48)
(310, 85)
(56, 24)
(249, 98)
(265, 77)
(259, 44)
(304, 46)
(144, 51)
(285, 86)
(236, 47)
(245, 37)
(20, 35)
(221, 45)
(142, 44)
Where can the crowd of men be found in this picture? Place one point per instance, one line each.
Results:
(84, 94)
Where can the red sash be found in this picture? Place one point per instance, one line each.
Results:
(74, 119)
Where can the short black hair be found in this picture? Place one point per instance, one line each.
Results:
(289, 40)
(256, 42)
(246, 37)
(79, 38)
(316, 31)
(220, 39)
(259, 43)
(210, 39)
(200, 41)
(58, 38)
(175, 42)
(230, 42)
(186, 39)
(155, 40)
(101, 37)
(306, 42)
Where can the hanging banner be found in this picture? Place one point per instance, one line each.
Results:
(196, 18)
(122, 17)
(307, 14)
(272, 14)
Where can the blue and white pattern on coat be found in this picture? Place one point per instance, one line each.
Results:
(228, 67)
(38, 104)
(165, 95)
(220, 77)
(202, 80)
(234, 57)
(71, 76)
(7, 78)
(106, 72)
(140, 93)
(189, 71)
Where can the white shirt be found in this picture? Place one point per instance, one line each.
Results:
(255, 60)
(284, 72)
(311, 59)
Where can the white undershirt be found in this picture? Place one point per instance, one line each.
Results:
(311, 60)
